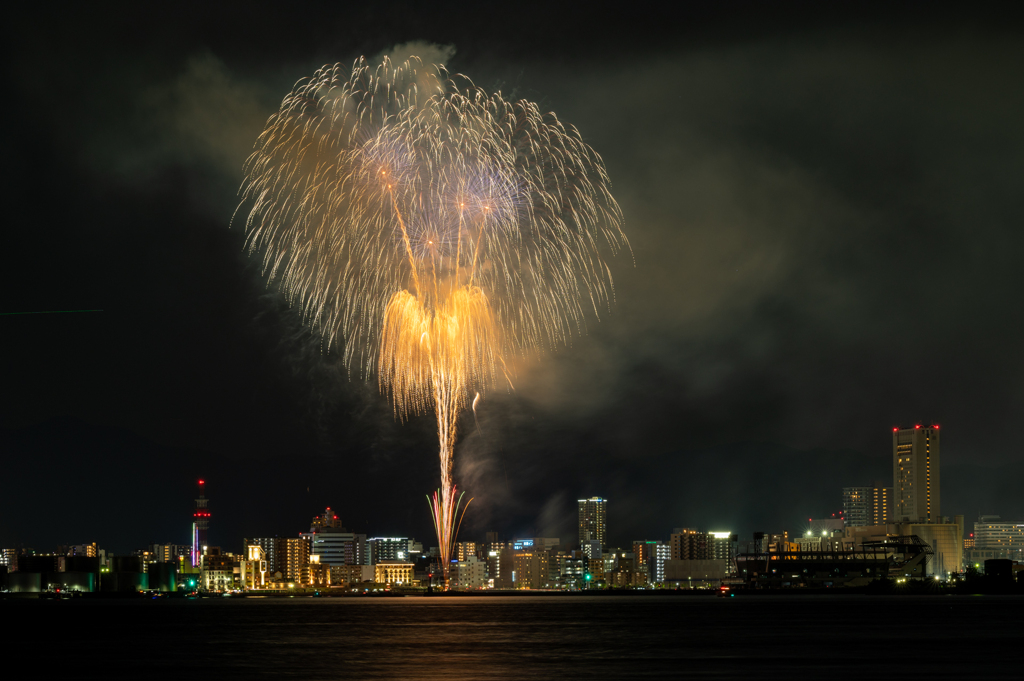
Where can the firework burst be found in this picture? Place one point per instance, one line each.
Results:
(433, 231)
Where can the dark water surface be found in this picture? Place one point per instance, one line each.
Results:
(801, 637)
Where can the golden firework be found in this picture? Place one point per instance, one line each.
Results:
(434, 230)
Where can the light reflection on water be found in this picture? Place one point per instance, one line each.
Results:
(524, 637)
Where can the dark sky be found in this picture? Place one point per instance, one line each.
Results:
(825, 217)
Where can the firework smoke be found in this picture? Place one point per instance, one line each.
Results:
(434, 231)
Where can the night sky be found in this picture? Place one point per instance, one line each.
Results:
(825, 219)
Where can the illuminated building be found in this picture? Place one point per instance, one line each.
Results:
(200, 525)
(995, 539)
(501, 566)
(337, 546)
(687, 544)
(9, 557)
(342, 575)
(328, 519)
(88, 550)
(389, 548)
(470, 573)
(253, 570)
(539, 543)
(269, 546)
(531, 569)
(395, 572)
(464, 550)
(915, 473)
(857, 506)
(652, 556)
(292, 559)
(881, 504)
(219, 570)
(947, 544)
(593, 521)
(171, 553)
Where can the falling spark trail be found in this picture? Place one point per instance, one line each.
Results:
(434, 231)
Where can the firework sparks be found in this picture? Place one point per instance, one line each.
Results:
(434, 231)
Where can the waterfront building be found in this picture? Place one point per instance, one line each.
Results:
(470, 573)
(292, 559)
(531, 569)
(253, 570)
(593, 524)
(351, 574)
(915, 472)
(394, 572)
(269, 546)
(220, 571)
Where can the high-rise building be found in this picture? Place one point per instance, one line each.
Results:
(338, 546)
(688, 544)
(389, 548)
(593, 524)
(200, 525)
(269, 546)
(857, 506)
(722, 546)
(881, 503)
(915, 472)
(652, 555)
(292, 559)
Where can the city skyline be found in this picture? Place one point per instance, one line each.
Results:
(823, 218)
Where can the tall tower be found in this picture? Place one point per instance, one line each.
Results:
(593, 517)
(915, 474)
(200, 524)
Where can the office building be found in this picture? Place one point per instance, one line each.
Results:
(334, 545)
(857, 506)
(915, 472)
(593, 521)
(9, 557)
